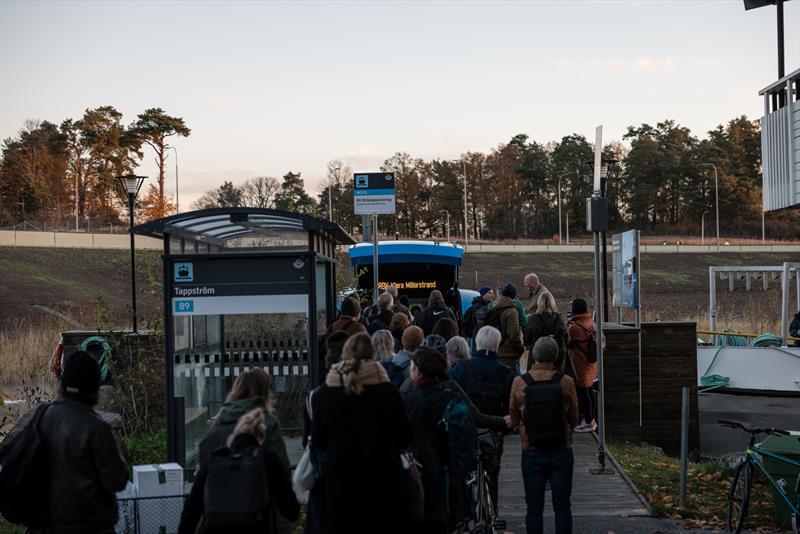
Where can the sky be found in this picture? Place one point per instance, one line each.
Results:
(269, 87)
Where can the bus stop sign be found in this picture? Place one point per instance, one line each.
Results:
(374, 193)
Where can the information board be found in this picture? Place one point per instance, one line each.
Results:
(625, 252)
(374, 193)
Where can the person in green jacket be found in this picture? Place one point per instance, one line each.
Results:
(252, 389)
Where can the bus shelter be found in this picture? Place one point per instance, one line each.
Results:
(244, 288)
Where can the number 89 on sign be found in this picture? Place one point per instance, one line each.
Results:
(184, 306)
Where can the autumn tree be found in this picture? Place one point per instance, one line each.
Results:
(154, 127)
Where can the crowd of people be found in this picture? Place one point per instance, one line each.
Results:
(381, 430)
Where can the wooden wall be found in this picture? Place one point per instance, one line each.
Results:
(621, 372)
(669, 362)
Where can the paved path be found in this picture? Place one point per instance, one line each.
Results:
(593, 496)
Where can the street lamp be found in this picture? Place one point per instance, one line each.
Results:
(131, 184)
(703, 227)
(177, 206)
(716, 195)
(330, 201)
(607, 166)
(559, 207)
(466, 224)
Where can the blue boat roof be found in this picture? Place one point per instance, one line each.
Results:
(408, 252)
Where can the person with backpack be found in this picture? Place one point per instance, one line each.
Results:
(446, 328)
(242, 487)
(546, 321)
(436, 310)
(505, 317)
(582, 353)
(398, 306)
(61, 466)
(384, 345)
(383, 317)
(349, 319)
(474, 317)
(444, 441)
(251, 390)
(358, 431)
(487, 382)
(544, 408)
(399, 368)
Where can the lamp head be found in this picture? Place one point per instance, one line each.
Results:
(132, 183)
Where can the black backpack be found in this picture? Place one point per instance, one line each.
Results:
(492, 318)
(555, 331)
(486, 396)
(544, 412)
(24, 475)
(236, 493)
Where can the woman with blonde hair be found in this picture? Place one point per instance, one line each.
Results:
(546, 321)
(358, 430)
(384, 345)
(232, 469)
(251, 390)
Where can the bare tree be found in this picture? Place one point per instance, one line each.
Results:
(259, 192)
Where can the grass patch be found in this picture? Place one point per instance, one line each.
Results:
(658, 478)
(149, 448)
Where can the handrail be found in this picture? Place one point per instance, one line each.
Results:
(780, 83)
(734, 334)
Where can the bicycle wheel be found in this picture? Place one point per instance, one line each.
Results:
(739, 497)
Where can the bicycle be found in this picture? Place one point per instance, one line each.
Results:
(739, 495)
(484, 518)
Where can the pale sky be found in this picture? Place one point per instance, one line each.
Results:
(268, 87)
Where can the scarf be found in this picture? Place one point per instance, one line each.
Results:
(343, 374)
(425, 381)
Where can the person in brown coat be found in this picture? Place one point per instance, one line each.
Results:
(555, 464)
(579, 333)
(507, 321)
(534, 289)
(349, 315)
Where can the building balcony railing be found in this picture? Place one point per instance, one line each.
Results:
(780, 143)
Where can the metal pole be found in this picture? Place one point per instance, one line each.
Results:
(703, 228)
(177, 205)
(684, 445)
(763, 229)
(330, 204)
(559, 210)
(76, 202)
(466, 228)
(781, 69)
(375, 260)
(131, 202)
(786, 278)
(716, 201)
(598, 306)
(567, 221)
(712, 301)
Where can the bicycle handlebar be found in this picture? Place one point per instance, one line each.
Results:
(734, 424)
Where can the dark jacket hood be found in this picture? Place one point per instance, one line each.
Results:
(503, 302)
(231, 411)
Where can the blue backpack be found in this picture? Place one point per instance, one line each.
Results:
(462, 435)
(397, 373)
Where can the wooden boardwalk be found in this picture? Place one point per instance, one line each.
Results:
(592, 495)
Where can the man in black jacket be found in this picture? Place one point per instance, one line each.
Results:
(382, 319)
(86, 465)
(436, 310)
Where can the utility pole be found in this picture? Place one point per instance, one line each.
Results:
(177, 205)
(466, 227)
(716, 195)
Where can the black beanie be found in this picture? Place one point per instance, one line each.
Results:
(334, 345)
(81, 375)
(509, 290)
(579, 306)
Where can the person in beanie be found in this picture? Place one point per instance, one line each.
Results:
(475, 316)
(349, 318)
(315, 510)
(505, 318)
(579, 333)
(86, 464)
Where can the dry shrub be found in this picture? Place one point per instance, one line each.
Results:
(25, 349)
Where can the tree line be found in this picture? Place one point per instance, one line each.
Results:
(68, 172)
(663, 182)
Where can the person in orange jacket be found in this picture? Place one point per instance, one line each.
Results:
(580, 333)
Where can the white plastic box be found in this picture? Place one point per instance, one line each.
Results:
(159, 515)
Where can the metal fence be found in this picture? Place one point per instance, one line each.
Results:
(149, 515)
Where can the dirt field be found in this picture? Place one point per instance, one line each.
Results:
(84, 283)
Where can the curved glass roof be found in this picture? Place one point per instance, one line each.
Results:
(219, 225)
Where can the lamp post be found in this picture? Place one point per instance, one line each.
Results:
(559, 206)
(177, 205)
(716, 195)
(330, 200)
(703, 227)
(447, 224)
(131, 184)
(466, 225)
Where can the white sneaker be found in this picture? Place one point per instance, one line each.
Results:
(594, 425)
(583, 427)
